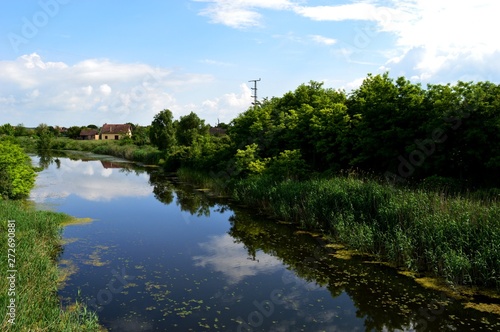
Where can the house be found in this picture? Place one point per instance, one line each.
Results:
(217, 131)
(115, 131)
(89, 134)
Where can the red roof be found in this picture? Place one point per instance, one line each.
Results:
(115, 129)
(89, 132)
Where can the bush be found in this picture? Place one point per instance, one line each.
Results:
(17, 177)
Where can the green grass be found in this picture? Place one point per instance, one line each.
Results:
(37, 246)
(146, 154)
(455, 237)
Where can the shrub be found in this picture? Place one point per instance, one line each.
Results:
(17, 177)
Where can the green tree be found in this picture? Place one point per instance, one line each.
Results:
(17, 177)
(45, 137)
(162, 131)
(74, 132)
(140, 135)
(20, 130)
(390, 114)
(188, 128)
(7, 130)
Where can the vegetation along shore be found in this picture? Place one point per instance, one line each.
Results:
(30, 244)
(393, 169)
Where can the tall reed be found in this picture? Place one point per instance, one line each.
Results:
(455, 237)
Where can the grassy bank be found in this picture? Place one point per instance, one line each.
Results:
(123, 149)
(37, 246)
(456, 237)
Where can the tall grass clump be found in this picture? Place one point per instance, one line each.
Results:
(456, 237)
(38, 308)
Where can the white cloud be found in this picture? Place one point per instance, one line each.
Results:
(431, 36)
(91, 91)
(240, 13)
(323, 40)
(227, 107)
(354, 11)
(105, 89)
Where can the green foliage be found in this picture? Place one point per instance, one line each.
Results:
(45, 137)
(162, 131)
(74, 132)
(7, 129)
(188, 128)
(248, 162)
(20, 130)
(17, 177)
(453, 237)
(288, 165)
(38, 242)
(140, 135)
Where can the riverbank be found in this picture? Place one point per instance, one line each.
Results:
(33, 287)
(145, 154)
(455, 237)
(449, 235)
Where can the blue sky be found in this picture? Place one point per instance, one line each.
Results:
(75, 62)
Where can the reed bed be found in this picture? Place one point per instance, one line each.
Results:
(456, 237)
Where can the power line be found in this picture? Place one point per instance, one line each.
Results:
(254, 89)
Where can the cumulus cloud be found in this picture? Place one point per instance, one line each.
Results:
(444, 33)
(91, 91)
(228, 106)
(240, 13)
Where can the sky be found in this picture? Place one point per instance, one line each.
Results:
(80, 62)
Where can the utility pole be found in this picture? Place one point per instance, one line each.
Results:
(254, 89)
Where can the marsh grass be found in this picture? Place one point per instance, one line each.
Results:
(453, 236)
(123, 149)
(38, 241)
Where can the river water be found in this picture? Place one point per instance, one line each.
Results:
(160, 255)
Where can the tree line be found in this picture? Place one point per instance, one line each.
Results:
(389, 127)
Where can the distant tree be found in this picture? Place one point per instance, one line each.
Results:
(7, 129)
(20, 130)
(45, 136)
(17, 177)
(92, 126)
(140, 135)
(162, 131)
(74, 132)
(188, 128)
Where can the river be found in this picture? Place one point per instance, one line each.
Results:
(160, 255)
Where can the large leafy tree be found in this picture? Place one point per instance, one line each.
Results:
(188, 128)
(17, 177)
(390, 113)
(45, 136)
(162, 131)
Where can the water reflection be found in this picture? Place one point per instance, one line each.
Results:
(200, 261)
(384, 299)
(225, 255)
(88, 179)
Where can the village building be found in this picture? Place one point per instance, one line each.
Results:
(89, 134)
(115, 131)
